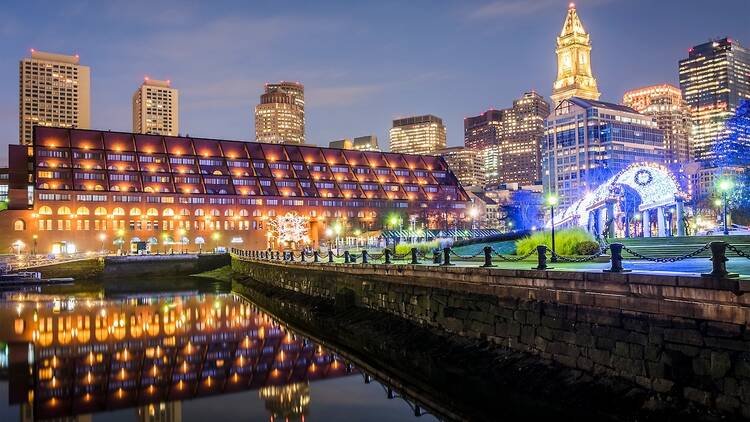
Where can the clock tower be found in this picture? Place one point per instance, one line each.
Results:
(574, 77)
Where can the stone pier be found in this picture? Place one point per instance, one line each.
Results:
(682, 336)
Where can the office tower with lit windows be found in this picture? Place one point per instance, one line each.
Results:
(422, 135)
(508, 142)
(360, 143)
(54, 90)
(586, 142)
(574, 76)
(280, 116)
(156, 108)
(665, 103)
(465, 164)
(714, 79)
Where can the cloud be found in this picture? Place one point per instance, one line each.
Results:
(516, 8)
(340, 95)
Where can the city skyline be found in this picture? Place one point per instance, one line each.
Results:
(360, 99)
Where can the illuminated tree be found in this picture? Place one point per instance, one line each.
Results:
(290, 228)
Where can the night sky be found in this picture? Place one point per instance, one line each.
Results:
(363, 63)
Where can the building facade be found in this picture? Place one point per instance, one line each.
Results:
(156, 108)
(96, 189)
(574, 75)
(420, 135)
(465, 164)
(280, 116)
(54, 90)
(508, 141)
(672, 114)
(714, 79)
(360, 143)
(586, 142)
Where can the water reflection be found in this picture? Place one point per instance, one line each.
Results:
(73, 357)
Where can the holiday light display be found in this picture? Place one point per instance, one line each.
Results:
(290, 228)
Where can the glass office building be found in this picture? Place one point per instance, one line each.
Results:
(586, 142)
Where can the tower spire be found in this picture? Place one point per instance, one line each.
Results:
(574, 76)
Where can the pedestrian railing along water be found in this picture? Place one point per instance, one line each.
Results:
(488, 254)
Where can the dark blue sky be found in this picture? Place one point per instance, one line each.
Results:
(363, 62)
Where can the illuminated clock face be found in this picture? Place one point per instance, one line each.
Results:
(566, 62)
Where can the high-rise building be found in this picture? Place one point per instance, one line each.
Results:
(714, 79)
(360, 143)
(574, 76)
(508, 142)
(586, 142)
(156, 108)
(665, 103)
(54, 90)
(280, 116)
(465, 164)
(422, 135)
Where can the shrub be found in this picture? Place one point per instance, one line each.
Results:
(424, 247)
(566, 241)
(587, 247)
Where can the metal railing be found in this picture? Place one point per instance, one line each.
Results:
(25, 262)
(443, 257)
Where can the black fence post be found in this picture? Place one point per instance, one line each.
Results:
(330, 256)
(615, 256)
(719, 260)
(414, 256)
(487, 257)
(347, 258)
(291, 256)
(446, 256)
(302, 256)
(364, 256)
(436, 257)
(316, 257)
(387, 253)
(278, 255)
(541, 251)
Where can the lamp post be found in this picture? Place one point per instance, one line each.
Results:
(120, 240)
(182, 241)
(725, 185)
(552, 200)
(34, 239)
(215, 236)
(473, 213)
(102, 236)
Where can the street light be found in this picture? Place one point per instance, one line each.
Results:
(102, 236)
(34, 238)
(725, 185)
(215, 237)
(552, 200)
(120, 240)
(473, 213)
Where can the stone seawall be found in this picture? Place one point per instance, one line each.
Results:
(161, 265)
(683, 336)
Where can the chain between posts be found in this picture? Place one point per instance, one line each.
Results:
(738, 251)
(670, 259)
(515, 259)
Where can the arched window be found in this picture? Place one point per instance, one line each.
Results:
(98, 187)
(135, 211)
(199, 212)
(257, 213)
(100, 211)
(45, 210)
(229, 213)
(243, 213)
(82, 211)
(184, 212)
(115, 188)
(215, 213)
(167, 212)
(222, 191)
(44, 186)
(63, 210)
(271, 213)
(118, 211)
(216, 173)
(148, 189)
(19, 225)
(152, 212)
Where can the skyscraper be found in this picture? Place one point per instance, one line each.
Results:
(418, 135)
(587, 141)
(665, 103)
(574, 76)
(508, 142)
(714, 79)
(280, 116)
(156, 108)
(360, 143)
(54, 90)
(465, 164)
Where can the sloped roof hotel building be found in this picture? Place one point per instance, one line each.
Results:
(93, 189)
